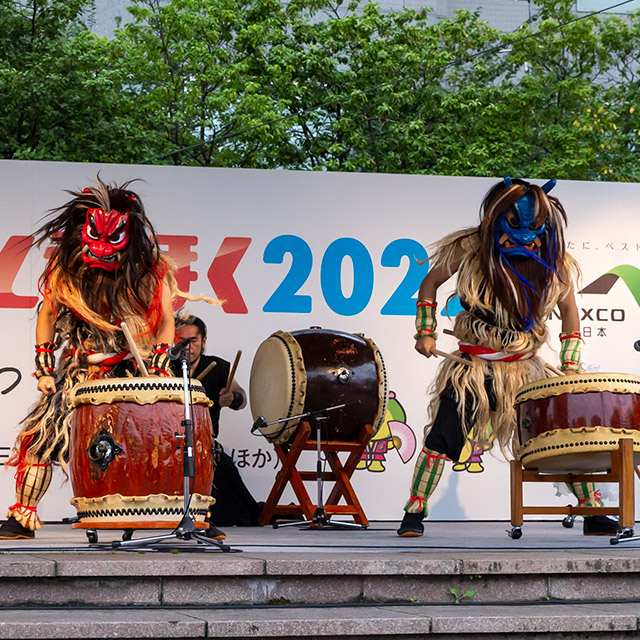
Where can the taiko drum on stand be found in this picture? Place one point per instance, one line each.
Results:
(125, 466)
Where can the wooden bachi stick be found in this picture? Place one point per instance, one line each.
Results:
(548, 366)
(233, 371)
(134, 349)
(202, 374)
(450, 356)
(553, 369)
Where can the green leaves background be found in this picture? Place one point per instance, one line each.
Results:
(324, 86)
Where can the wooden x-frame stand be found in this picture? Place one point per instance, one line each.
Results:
(340, 474)
(622, 473)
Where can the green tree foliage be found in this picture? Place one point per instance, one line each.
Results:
(318, 84)
(198, 69)
(56, 88)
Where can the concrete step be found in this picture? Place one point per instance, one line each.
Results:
(489, 622)
(99, 579)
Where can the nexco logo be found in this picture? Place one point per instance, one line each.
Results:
(599, 315)
(603, 315)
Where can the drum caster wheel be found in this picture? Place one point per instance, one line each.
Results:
(622, 534)
(92, 536)
(568, 521)
(127, 534)
(515, 533)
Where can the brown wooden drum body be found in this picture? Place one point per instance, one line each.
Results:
(124, 466)
(312, 369)
(570, 424)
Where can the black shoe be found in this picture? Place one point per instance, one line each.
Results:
(411, 525)
(214, 533)
(255, 518)
(13, 530)
(284, 518)
(599, 526)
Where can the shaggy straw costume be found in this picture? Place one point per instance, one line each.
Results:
(505, 304)
(90, 304)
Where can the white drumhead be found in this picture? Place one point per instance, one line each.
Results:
(138, 390)
(278, 385)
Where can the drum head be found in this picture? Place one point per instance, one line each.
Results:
(278, 384)
(578, 383)
(137, 390)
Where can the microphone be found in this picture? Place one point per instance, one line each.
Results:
(176, 350)
(260, 423)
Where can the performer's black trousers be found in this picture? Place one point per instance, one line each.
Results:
(447, 435)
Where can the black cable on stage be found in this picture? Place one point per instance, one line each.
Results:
(365, 92)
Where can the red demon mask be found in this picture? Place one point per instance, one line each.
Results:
(105, 235)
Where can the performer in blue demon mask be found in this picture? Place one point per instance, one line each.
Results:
(513, 271)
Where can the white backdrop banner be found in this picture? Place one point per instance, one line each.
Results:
(290, 250)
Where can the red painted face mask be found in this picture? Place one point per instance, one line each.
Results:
(105, 235)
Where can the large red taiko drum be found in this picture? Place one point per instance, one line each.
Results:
(124, 465)
(570, 424)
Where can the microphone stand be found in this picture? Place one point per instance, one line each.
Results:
(319, 518)
(186, 529)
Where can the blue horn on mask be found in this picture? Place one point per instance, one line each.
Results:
(547, 186)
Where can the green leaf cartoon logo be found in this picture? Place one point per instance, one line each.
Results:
(628, 274)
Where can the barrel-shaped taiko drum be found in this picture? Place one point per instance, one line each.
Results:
(313, 369)
(125, 468)
(570, 424)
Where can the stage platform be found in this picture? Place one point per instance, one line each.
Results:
(461, 580)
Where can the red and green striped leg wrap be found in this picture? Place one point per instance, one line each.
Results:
(426, 318)
(31, 484)
(426, 475)
(570, 347)
(587, 494)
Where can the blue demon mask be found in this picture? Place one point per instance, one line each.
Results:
(516, 231)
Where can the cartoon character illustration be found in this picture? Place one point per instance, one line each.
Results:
(394, 433)
(471, 456)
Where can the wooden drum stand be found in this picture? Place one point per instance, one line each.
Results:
(340, 474)
(621, 472)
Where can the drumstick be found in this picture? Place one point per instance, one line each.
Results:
(202, 374)
(233, 371)
(553, 369)
(548, 366)
(134, 349)
(444, 354)
(450, 356)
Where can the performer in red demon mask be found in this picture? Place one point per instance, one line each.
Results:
(105, 267)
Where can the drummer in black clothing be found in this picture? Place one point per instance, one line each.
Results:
(234, 503)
